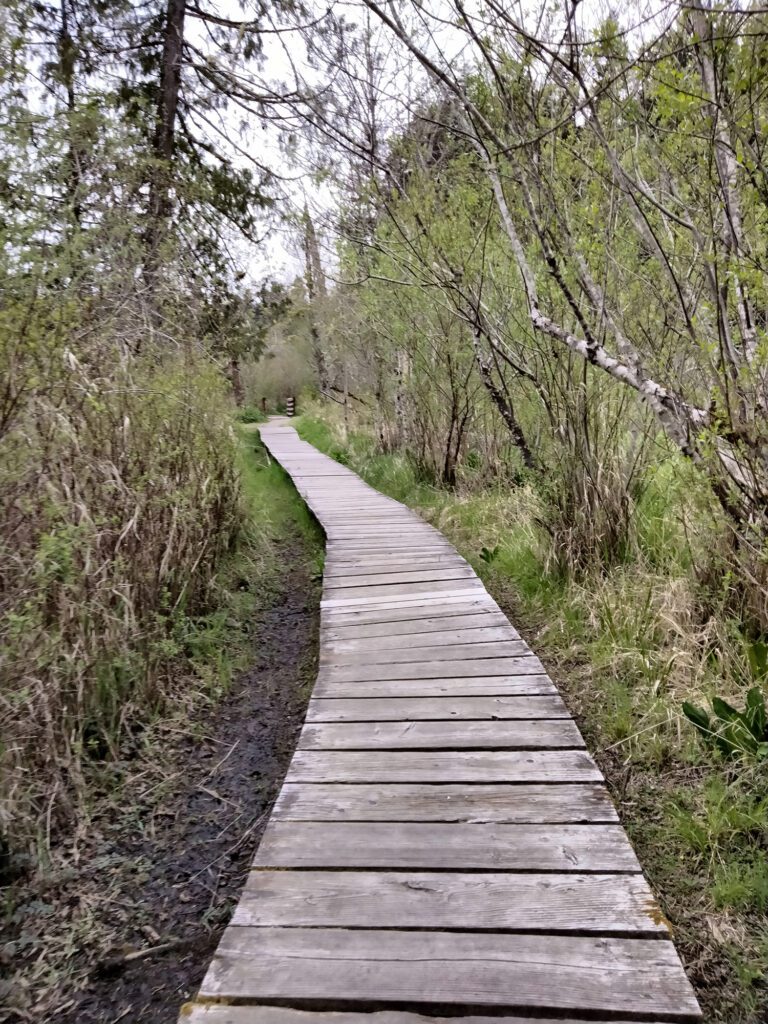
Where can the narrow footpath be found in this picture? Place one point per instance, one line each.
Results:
(443, 845)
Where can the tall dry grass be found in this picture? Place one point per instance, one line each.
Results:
(118, 498)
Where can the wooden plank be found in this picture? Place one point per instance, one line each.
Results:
(394, 534)
(377, 579)
(372, 538)
(426, 616)
(401, 591)
(559, 733)
(371, 844)
(217, 1013)
(367, 603)
(423, 969)
(436, 638)
(555, 904)
(568, 804)
(489, 686)
(385, 548)
(415, 709)
(371, 519)
(372, 564)
(506, 667)
(369, 511)
(442, 766)
(436, 652)
(407, 625)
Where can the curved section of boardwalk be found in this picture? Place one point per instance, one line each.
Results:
(443, 846)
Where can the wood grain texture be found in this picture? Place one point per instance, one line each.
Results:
(434, 653)
(213, 1013)
(524, 665)
(417, 611)
(480, 804)
(415, 709)
(415, 969)
(373, 565)
(467, 735)
(413, 623)
(392, 641)
(493, 847)
(338, 612)
(399, 595)
(488, 686)
(488, 901)
(474, 766)
(371, 579)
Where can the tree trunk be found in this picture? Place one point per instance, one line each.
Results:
(236, 380)
(67, 58)
(163, 143)
(315, 282)
(504, 408)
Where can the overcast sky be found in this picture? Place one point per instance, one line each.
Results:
(279, 256)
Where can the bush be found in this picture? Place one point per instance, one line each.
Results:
(251, 414)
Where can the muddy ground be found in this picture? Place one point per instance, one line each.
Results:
(125, 928)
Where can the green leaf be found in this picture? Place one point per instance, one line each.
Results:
(739, 738)
(699, 717)
(755, 714)
(725, 711)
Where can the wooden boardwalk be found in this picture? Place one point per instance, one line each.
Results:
(443, 845)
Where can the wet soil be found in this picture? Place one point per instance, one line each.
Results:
(157, 879)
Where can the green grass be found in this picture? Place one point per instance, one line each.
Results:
(218, 645)
(274, 504)
(626, 646)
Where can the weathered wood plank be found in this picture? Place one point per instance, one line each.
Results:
(443, 766)
(466, 593)
(217, 1013)
(521, 803)
(465, 735)
(524, 665)
(414, 709)
(342, 581)
(365, 565)
(386, 547)
(427, 616)
(401, 591)
(399, 630)
(436, 638)
(489, 686)
(418, 969)
(571, 903)
(395, 534)
(433, 652)
(312, 844)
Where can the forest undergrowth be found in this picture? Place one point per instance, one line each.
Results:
(129, 884)
(627, 645)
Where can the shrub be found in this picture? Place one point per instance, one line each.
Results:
(251, 414)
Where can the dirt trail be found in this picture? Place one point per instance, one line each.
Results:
(167, 872)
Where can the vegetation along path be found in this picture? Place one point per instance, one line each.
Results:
(443, 842)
